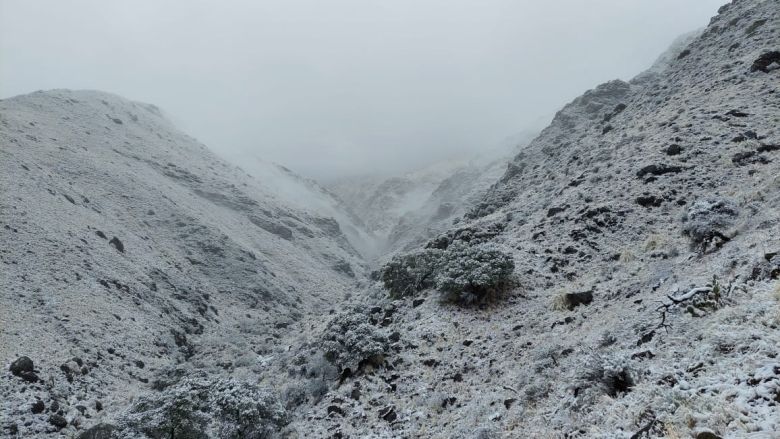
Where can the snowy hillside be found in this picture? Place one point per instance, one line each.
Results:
(619, 277)
(643, 226)
(131, 247)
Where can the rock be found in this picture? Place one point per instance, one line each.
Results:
(99, 431)
(55, 407)
(508, 402)
(766, 62)
(467, 343)
(355, 394)
(707, 435)
(22, 364)
(673, 149)
(98, 406)
(139, 364)
(58, 421)
(117, 244)
(417, 302)
(335, 410)
(101, 234)
(656, 169)
(388, 413)
(37, 407)
(573, 300)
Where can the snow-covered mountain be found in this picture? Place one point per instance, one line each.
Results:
(406, 210)
(644, 228)
(617, 278)
(129, 246)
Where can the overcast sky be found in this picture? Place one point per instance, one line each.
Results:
(333, 87)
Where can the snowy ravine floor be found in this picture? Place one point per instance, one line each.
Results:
(644, 226)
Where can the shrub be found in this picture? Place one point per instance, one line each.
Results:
(471, 273)
(350, 341)
(413, 272)
(463, 271)
(707, 222)
(201, 407)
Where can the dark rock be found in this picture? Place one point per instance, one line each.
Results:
(117, 244)
(55, 407)
(684, 53)
(467, 343)
(395, 336)
(58, 421)
(737, 113)
(101, 234)
(763, 62)
(573, 300)
(768, 148)
(673, 149)
(707, 435)
(99, 431)
(139, 364)
(417, 302)
(642, 355)
(69, 198)
(37, 407)
(649, 201)
(658, 169)
(334, 409)
(508, 402)
(20, 365)
(555, 210)
(388, 413)
(355, 394)
(98, 406)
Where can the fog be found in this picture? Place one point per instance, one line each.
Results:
(341, 87)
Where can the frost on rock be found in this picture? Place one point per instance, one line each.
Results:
(708, 221)
(205, 407)
(351, 341)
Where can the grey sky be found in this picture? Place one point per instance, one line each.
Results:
(332, 87)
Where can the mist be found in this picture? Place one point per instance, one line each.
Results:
(344, 87)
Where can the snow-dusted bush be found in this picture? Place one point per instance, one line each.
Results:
(612, 376)
(410, 273)
(201, 407)
(470, 273)
(463, 271)
(707, 222)
(350, 341)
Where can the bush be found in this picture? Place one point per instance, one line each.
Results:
(203, 407)
(707, 222)
(350, 342)
(411, 273)
(474, 273)
(464, 272)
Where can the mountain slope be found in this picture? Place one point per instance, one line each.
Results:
(643, 223)
(130, 246)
